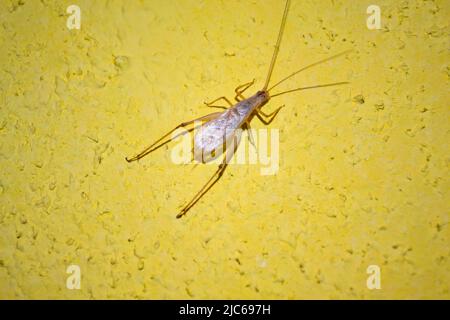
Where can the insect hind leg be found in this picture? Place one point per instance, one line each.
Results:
(161, 142)
(208, 185)
(211, 182)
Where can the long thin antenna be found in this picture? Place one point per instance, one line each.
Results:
(309, 66)
(311, 87)
(277, 46)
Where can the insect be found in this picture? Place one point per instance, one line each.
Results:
(219, 128)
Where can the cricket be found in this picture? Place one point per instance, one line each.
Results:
(219, 130)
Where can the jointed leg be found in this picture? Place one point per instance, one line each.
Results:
(210, 183)
(272, 114)
(155, 145)
(210, 104)
(240, 90)
(250, 135)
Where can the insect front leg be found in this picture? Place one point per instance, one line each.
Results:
(271, 115)
(159, 143)
(210, 104)
(240, 90)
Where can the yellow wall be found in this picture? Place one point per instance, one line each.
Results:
(358, 184)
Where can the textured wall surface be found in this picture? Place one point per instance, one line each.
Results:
(364, 168)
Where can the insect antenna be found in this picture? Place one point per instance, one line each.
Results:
(309, 66)
(311, 87)
(277, 46)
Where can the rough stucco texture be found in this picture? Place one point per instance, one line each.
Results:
(364, 168)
